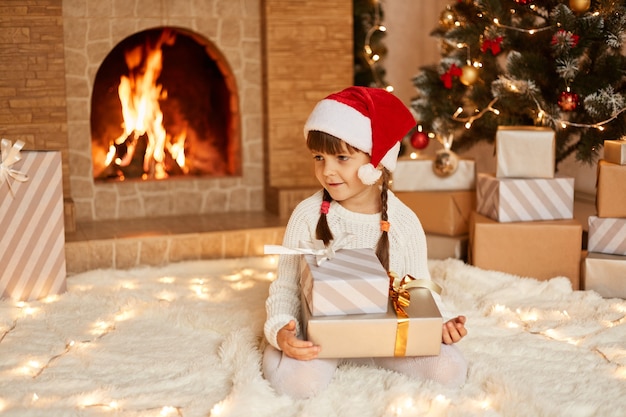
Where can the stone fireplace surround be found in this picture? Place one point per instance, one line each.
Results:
(121, 225)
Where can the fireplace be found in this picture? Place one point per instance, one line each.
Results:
(164, 104)
(276, 60)
(209, 90)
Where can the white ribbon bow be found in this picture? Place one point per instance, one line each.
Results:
(10, 155)
(317, 248)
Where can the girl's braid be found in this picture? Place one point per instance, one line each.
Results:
(322, 231)
(382, 248)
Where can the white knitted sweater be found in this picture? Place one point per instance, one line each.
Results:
(407, 243)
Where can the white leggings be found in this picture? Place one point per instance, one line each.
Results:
(303, 379)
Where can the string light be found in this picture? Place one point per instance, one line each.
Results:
(371, 58)
(532, 31)
(541, 115)
(470, 120)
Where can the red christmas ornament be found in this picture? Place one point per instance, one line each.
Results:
(419, 139)
(568, 101)
(492, 45)
(446, 77)
(522, 1)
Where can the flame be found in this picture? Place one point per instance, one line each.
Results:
(139, 95)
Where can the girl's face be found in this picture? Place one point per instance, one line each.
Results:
(337, 173)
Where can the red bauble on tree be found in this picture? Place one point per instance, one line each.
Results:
(568, 101)
(419, 139)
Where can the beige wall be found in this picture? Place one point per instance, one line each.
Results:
(408, 39)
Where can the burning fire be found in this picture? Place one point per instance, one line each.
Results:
(145, 149)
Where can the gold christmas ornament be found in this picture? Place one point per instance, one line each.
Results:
(579, 6)
(445, 164)
(469, 75)
(447, 18)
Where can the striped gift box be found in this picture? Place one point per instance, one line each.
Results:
(32, 235)
(607, 235)
(352, 282)
(524, 199)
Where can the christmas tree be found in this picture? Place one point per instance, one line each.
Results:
(369, 48)
(556, 63)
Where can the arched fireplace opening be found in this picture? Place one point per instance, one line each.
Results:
(164, 104)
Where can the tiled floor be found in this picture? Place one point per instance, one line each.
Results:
(123, 244)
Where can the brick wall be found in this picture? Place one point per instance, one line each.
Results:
(307, 55)
(32, 77)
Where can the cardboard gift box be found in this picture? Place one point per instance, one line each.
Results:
(376, 335)
(32, 237)
(444, 247)
(524, 199)
(418, 175)
(352, 282)
(441, 212)
(541, 249)
(605, 274)
(607, 235)
(615, 151)
(611, 193)
(525, 152)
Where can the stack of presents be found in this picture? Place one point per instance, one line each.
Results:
(605, 265)
(443, 204)
(353, 308)
(349, 301)
(518, 220)
(32, 232)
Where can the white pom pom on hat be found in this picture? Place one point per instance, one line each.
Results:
(369, 119)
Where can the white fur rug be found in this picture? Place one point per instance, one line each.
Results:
(182, 340)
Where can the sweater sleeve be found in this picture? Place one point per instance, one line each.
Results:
(283, 302)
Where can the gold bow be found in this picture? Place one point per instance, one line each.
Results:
(400, 299)
(10, 155)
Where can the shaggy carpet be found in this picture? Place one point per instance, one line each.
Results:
(183, 340)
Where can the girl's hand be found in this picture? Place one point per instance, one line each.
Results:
(294, 347)
(454, 330)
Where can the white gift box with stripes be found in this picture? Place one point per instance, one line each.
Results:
(607, 235)
(524, 199)
(32, 234)
(352, 282)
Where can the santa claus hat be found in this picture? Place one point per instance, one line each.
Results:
(369, 119)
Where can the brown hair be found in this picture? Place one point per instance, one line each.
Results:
(326, 143)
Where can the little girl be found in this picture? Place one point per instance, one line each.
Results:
(354, 138)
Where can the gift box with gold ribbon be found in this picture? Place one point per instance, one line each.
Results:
(32, 236)
(411, 327)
